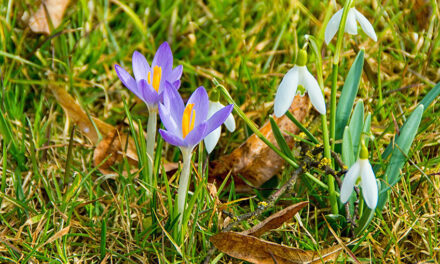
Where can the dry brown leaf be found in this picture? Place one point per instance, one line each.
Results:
(57, 235)
(111, 149)
(259, 251)
(39, 23)
(276, 220)
(79, 116)
(113, 143)
(423, 11)
(254, 160)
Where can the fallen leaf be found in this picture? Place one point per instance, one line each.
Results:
(79, 116)
(259, 251)
(110, 150)
(423, 11)
(254, 160)
(59, 234)
(112, 146)
(274, 221)
(39, 23)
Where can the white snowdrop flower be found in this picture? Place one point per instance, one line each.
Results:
(298, 75)
(361, 173)
(350, 25)
(212, 138)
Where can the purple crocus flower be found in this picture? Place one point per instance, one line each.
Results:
(186, 125)
(149, 82)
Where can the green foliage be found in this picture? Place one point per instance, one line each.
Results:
(348, 94)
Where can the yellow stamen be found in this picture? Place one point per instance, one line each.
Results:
(157, 75)
(189, 115)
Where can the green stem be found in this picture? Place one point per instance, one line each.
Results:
(333, 104)
(183, 182)
(151, 140)
(327, 154)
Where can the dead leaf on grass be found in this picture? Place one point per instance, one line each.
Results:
(254, 160)
(276, 220)
(110, 150)
(39, 23)
(259, 251)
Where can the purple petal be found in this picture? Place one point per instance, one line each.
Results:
(140, 66)
(177, 84)
(218, 118)
(127, 80)
(176, 73)
(163, 58)
(171, 138)
(149, 95)
(168, 120)
(201, 104)
(173, 101)
(196, 135)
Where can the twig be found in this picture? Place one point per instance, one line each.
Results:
(261, 208)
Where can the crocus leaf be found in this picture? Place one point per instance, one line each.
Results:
(280, 139)
(348, 94)
(356, 125)
(400, 152)
(347, 148)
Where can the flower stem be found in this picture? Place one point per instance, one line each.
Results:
(151, 140)
(333, 103)
(327, 154)
(183, 182)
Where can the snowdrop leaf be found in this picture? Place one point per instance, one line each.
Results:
(400, 152)
(356, 125)
(347, 148)
(426, 102)
(348, 94)
(366, 128)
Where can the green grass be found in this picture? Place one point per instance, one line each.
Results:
(248, 46)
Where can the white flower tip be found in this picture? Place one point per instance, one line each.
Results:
(211, 140)
(332, 26)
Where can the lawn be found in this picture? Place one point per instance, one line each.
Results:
(78, 186)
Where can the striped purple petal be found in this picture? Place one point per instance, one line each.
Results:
(171, 138)
(163, 58)
(201, 104)
(149, 95)
(140, 66)
(176, 73)
(127, 80)
(173, 101)
(195, 136)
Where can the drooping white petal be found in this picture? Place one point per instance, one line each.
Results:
(211, 139)
(286, 92)
(365, 25)
(333, 26)
(368, 183)
(349, 181)
(230, 123)
(350, 24)
(309, 82)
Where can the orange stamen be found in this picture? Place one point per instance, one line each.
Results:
(189, 115)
